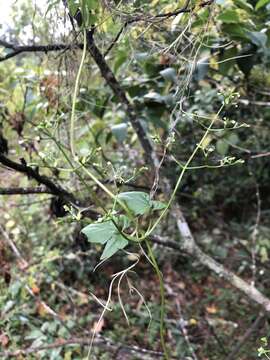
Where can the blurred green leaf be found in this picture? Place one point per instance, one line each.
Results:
(258, 38)
(261, 3)
(168, 74)
(229, 16)
(92, 4)
(120, 131)
(227, 60)
(233, 139)
(222, 147)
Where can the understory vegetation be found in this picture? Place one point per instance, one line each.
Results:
(135, 179)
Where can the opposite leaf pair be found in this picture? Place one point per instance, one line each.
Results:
(106, 232)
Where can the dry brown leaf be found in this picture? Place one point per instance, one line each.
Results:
(35, 289)
(4, 340)
(212, 309)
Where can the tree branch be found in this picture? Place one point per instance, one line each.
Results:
(25, 190)
(99, 341)
(41, 179)
(189, 247)
(18, 49)
(111, 80)
(250, 291)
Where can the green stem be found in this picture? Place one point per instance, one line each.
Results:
(72, 128)
(184, 168)
(162, 300)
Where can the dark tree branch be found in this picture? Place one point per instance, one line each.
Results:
(112, 82)
(25, 190)
(41, 179)
(153, 18)
(18, 49)
(50, 186)
(146, 18)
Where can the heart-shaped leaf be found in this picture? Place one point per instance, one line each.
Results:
(117, 242)
(100, 233)
(139, 202)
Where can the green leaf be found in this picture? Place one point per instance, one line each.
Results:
(229, 17)
(227, 60)
(261, 3)
(233, 139)
(154, 97)
(123, 221)
(222, 147)
(258, 38)
(157, 205)
(100, 233)
(235, 31)
(120, 59)
(120, 131)
(243, 4)
(168, 74)
(92, 4)
(117, 242)
(107, 233)
(201, 69)
(72, 7)
(142, 56)
(137, 201)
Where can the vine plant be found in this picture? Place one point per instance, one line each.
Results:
(264, 350)
(122, 224)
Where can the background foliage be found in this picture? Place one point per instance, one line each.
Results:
(173, 72)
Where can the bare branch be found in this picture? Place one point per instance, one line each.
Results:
(13, 247)
(189, 246)
(250, 291)
(99, 341)
(260, 155)
(18, 49)
(25, 190)
(154, 18)
(248, 102)
(111, 80)
(41, 179)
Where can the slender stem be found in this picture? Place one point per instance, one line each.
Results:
(72, 128)
(75, 93)
(184, 168)
(162, 300)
